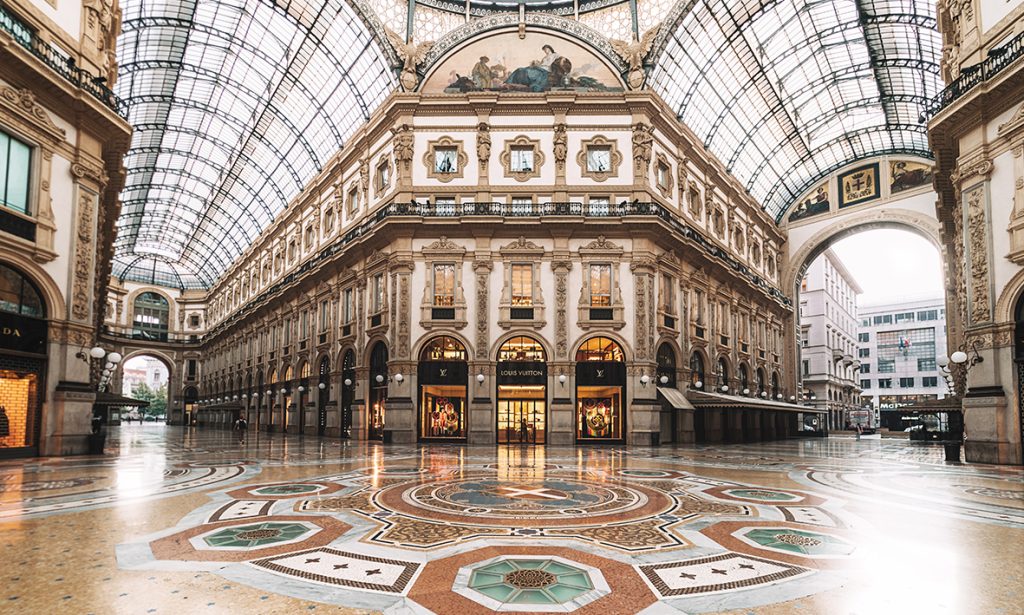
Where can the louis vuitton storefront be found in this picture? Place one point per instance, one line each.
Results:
(443, 382)
(600, 391)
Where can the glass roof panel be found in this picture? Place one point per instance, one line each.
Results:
(236, 104)
(786, 91)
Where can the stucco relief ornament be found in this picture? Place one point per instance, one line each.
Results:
(411, 54)
(634, 53)
(403, 145)
(979, 256)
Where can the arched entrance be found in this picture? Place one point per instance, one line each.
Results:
(287, 405)
(443, 377)
(600, 391)
(304, 396)
(323, 395)
(522, 392)
(378, 391)
(23, 366)
(145, 376)
(723, 374)
(348, 391)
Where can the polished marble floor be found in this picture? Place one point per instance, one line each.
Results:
(174, 520)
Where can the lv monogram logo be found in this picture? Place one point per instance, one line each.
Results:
(444, 372)
(600, 373)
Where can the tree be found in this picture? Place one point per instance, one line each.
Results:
(157, 398)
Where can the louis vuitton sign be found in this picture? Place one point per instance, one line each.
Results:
(522, 372)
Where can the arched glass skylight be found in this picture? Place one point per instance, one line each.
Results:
(785, 91)
(236, 105)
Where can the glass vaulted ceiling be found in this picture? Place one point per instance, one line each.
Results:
(236, 106)
(784, 92)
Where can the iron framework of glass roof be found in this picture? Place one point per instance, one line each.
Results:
(784, 92)
(236, 105)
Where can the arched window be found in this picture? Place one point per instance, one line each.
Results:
(151, 315)
(521, 349)
(697, 370)
(18, 295)
(775, 384)
(760, 380)
(666, 359)
(600, 349)
(744, 378)
(723, 372)
(443, 348)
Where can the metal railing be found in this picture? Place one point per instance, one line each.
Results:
(971, 76)
(412, 209)
(140, 336)
(59, 62)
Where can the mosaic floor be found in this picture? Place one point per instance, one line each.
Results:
(183, 521)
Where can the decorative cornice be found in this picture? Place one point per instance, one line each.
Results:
(23, 103)
(982, 167)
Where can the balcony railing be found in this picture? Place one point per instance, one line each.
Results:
(509, 210)
(140, 336)
(971, 76)
(59, 62)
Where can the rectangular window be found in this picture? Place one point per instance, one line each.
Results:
(865, 384)
(15, 167)
(863, 352)
(444, 285)
(885, 383)
(883, 320)
(668, 293)
(378, 293)
(865, 322)
(863, 337)
(886, 366)
(926, 365)
(599, 158)
(190, 366)
(806, 367)
(698, 308)
(601, 285)
(383, 177)
(865, 368)
(906, 383)
(662, 176)
(304, 325)
(324, 313)
(446, 160)
(928, 315)
(287, 332)
(521, 160)
(904, 317)
(522, 285)
(348, 307)
(930, 381)
(353, 200)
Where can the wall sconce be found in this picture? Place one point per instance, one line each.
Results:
(284, 391)
(746, 391)
(245, 396)
(644, 379)
(321, 386)
(764, 394)
(399, 378)
(96, 352)
(792, 398)
(960, 357)
(235, 398)
(725, 388)
(480, 378)
(379, 378)
(302, 389)
(778, 396)
(561, 379)
(347, 382)
(663, 379)
(114, 357)
(269, 393)
(698, 385)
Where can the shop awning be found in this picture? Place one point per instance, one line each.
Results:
(106, 398)
(675, 398)
(705, 399)
(227, 405)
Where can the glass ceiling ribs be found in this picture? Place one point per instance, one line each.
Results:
(786, 91)
(236, 105)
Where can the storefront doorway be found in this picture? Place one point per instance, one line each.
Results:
(377, 409)
(600, 391)
(23, 337)
(443, 381)
(522, 392)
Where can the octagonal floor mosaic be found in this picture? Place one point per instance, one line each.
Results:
(775, 528)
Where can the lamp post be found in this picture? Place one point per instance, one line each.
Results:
(965, 362)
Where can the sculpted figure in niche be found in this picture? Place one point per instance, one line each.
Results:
(403, 146)
(643, 145)
(483, 144)
(561, 145)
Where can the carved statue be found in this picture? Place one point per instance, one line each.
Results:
(561, 145)
(483, 144)
(634, 53)
(411, 55)
(403, 146)
(643, 146)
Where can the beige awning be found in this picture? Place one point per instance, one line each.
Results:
(675, 398)
(706, 399)
(107, 398)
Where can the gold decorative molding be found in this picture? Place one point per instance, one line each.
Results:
(461, 159)
(614, 158)
(524, 142)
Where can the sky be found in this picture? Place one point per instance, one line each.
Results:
(891, 266)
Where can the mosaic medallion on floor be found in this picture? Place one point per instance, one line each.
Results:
(373, 536)
(549, 584)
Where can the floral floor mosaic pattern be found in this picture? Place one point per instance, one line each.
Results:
(402, 530)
